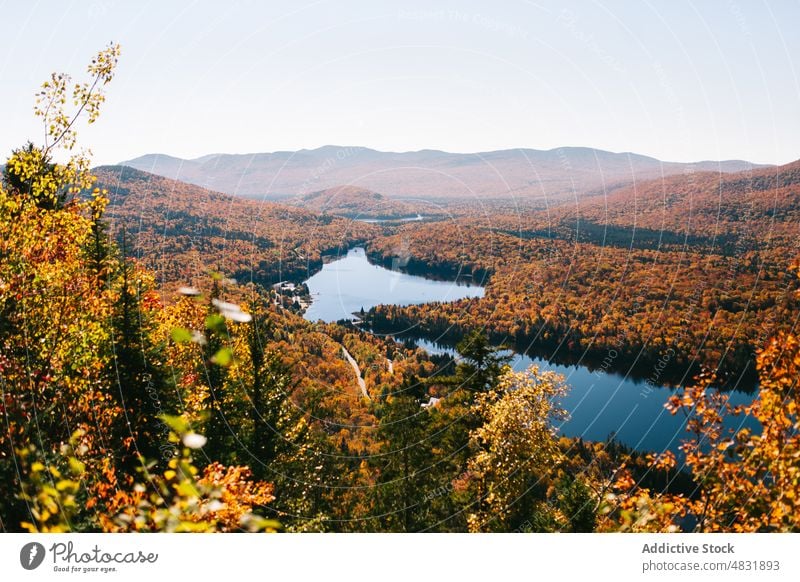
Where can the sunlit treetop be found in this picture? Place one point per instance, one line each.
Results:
(31, 172)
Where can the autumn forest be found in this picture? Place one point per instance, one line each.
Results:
(158, 374)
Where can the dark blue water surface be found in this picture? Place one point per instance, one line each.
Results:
(600, 404)
(347, 285)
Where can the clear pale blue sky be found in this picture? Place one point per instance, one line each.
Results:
(677, 80)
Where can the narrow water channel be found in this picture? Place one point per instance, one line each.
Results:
(600, 404)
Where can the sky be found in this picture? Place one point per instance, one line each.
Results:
(680, 81)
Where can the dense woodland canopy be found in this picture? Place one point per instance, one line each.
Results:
(694, 267)
(153, 381)
(361, 204)
(181, 231)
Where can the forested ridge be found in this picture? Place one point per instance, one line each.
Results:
(696, 267)
(360, 204)
(152, 380)
(181, 231)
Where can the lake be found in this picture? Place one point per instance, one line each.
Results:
(348, 284)
(600, 404)
(604, 403)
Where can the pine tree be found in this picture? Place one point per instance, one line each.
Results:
(275, 420)
(217, 428)
(404, 462)
(482, 363)
(140, 382)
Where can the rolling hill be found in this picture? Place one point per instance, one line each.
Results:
(700, 265)
(719, 212)
(757, 208)
(359, 203)
(183, 231)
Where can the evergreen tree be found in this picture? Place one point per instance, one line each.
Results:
(478, 371)
(482, 363)
(138, 377)
(276, 421)
(215, 371)
(577, 504)
(404, 480)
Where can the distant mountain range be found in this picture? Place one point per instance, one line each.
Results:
(180, 229)
(548, 175)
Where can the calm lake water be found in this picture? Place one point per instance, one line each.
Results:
(600, 404)
(351, 283)
(604, 403)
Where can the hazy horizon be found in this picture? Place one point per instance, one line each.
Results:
(424, 149)
(678, 82)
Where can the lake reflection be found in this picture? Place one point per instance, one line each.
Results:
(601, 404)
(352, 283)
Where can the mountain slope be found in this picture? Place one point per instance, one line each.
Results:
(183, 231)
(728, 213)
(760, 205)
(559, 173)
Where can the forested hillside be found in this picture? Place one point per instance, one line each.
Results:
(152, 380)
(731, 214)
(361, 204)
(182, 231)
(693, 270)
